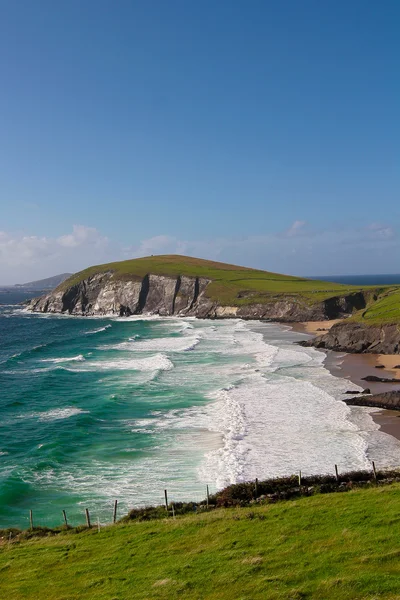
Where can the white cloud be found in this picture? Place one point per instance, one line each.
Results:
(295, 229)
(379, 231)
(82, 235)
(25, 257)
(297, 250)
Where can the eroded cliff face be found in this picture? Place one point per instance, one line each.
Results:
(359, 338)
(101, 294)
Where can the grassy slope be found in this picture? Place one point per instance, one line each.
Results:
(327, 547)
(231, 285)
(386, 309)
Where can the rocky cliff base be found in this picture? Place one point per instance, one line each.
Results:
(103, 294)
(359, 338)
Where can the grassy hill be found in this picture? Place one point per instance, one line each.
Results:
(324, 547)
(237, 286)
(231, 285)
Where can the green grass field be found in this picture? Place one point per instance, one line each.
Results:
(333, 546)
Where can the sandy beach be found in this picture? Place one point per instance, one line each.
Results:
(391, 363)
(354, 367)
(315, 327)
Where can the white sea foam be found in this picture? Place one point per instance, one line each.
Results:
(98, 330)
(143, 317)
(79, 358)
(53, 414)
(156, 362)
(167, 344)
(60, 413)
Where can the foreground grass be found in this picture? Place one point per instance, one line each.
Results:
(328, 546)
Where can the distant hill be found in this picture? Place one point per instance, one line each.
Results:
(44, 284)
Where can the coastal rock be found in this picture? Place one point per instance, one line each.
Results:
(388, 400)
(380, 379)
(358, 338)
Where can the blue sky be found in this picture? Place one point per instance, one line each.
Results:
(261, 133)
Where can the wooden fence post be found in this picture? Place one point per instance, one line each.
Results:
(208, 497)
(166, 500)
(373, 469)
(115, 511)
(256, 488)
(31, 519)
(337, 473)
(300, 478)
(87, 517)
(65, 518)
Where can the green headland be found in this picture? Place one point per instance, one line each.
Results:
(233, 285)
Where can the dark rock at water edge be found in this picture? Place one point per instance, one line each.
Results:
(354, 337)
(380, 379)
(387, 400)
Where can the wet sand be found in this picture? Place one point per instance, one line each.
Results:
(390, 362)
(315, 327)
(355, 366)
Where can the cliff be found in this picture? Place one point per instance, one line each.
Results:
(103, 293)
(186, 286)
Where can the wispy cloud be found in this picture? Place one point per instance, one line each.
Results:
(379, 231)
(297, 250)
(297, 228)
(29, 256)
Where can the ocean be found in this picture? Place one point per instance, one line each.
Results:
(98, 409)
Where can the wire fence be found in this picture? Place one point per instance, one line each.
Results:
(168, 505)
(87, 515)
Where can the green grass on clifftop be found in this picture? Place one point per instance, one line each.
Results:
(231, 285)
(384, 309)
(334, 546)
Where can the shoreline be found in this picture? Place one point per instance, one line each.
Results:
(355, 366)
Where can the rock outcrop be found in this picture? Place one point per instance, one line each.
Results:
(358, 338)
(388, 400)
(102, 294)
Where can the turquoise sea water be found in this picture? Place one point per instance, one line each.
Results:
(97, 409)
